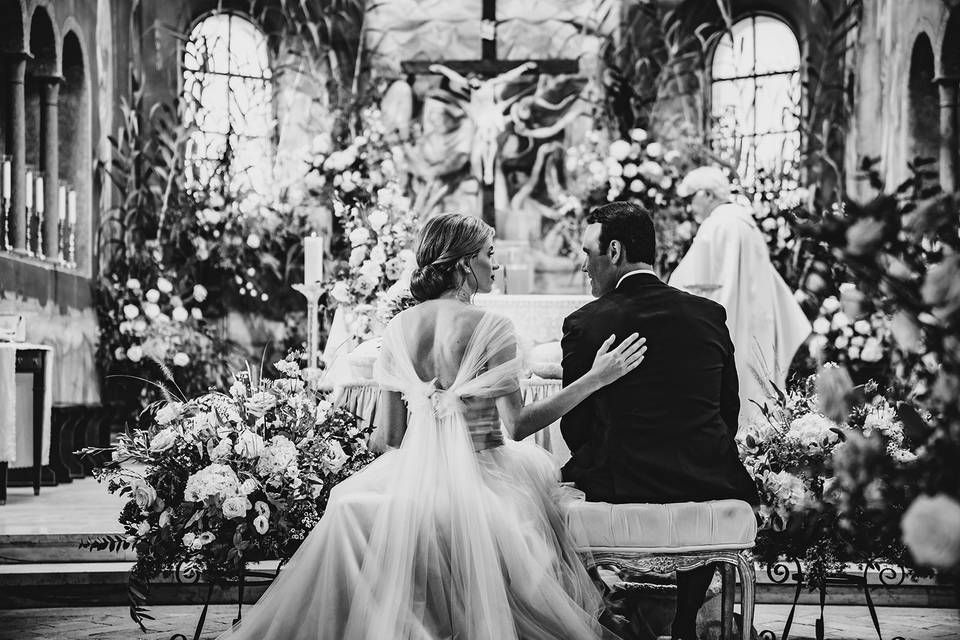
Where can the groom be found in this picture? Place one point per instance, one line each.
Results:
(665, 432)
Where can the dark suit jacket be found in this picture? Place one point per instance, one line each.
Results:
(665, 431)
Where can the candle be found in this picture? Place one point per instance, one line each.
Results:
(29, 189)
(72, 207)
(41, 205)
(62, 203)
(7, 187)
(312, 259)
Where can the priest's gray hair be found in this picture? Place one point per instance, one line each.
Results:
(710, 179)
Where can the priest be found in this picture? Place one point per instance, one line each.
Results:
(729, 263)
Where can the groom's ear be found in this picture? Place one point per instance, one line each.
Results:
(615, 251)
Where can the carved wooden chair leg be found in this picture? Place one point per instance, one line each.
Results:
(748, 582)
(728, 582)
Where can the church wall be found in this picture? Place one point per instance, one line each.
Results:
(57, 300)
(881, 121)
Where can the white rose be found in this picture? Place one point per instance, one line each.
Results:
(334, 457)
(340, 292)
(323, 411)
(620, 149)
(166, 517)
(816, 345)
(180, 314)
(671, 156)
(931, 530)
(163, 440)
(638, 134)
(133, 284)
(152, 295)
(854, 353)
(143, 528)
(359, 236)
(169, 412)
(135, 353)
(164, 285)
(221, 451)
(861, 326)
(654, 149)
(261, 524)
(235, 507)
(872, 351)
(830, 305)
(768, 224)
(189, 539)
(199, 292)
(249, 444)
(253, 241)
(196, 313)
(143, 494)
(249, 486)
(357, 256)
(378, 217)
(131, 311)
(840, 320)
(261, 402)
(119, 353)
(637, 186)
(139, 325)
(378, 254)
(151, 310)
(821, 325)
(181, 359)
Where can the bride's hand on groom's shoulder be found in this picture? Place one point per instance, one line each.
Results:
(611, 364)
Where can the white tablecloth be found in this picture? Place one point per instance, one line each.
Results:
(16, 399)
(360, 398)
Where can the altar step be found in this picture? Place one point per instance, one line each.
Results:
(104, 583)
(55, 548)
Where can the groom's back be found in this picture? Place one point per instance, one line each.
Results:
(663, 433)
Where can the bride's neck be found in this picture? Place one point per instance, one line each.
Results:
(460, 294)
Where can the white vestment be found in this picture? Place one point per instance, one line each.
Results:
(729, 262)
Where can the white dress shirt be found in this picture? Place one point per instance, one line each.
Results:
(635, 272)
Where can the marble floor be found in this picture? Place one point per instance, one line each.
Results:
(83, 506)
(112, 623)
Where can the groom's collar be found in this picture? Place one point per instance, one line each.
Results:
(635, 272)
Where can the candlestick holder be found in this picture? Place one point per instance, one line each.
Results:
(28, 248)
(312, 293)
(5, 224)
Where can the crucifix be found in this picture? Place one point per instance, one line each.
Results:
(477, 85)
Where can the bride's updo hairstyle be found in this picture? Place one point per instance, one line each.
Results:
(444, 240)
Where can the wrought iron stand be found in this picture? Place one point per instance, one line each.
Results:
(780, 572)
(261, 578)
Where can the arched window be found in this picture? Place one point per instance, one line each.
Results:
(229, 99)
(755, 97)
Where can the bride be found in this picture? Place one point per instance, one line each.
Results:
(453, 532)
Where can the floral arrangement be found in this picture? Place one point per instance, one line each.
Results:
(642, 170)
(797, 461)
(227, 478)
(861, 344)
(365, 180)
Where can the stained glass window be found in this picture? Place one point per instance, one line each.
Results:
(229, 98)
(755, 97)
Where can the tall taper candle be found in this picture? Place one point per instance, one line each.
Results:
(62, 202)
(312, 259)
(7, 185)
(29, 190)
(72, 207)
(41, 205)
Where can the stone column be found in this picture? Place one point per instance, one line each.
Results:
(50, 164)
(17, 145)
(949, 159)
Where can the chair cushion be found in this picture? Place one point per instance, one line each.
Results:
(658, 528)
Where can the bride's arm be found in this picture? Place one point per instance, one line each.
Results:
(389, 421)
(608, 366)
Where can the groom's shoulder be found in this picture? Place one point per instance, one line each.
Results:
(590, 309)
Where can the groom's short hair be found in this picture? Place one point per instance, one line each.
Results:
(631, 225)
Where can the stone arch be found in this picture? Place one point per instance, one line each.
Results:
(923, 101)
(44, 43)
(13, 26)
(75, 146)
(950, 46)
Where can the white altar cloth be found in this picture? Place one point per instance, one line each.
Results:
(16, 397)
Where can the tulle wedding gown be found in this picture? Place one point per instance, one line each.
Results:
(454, 535)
